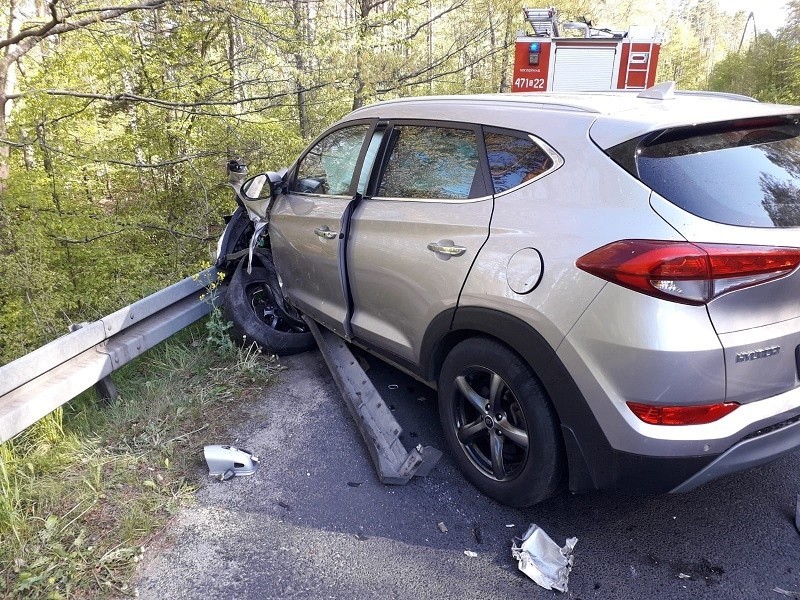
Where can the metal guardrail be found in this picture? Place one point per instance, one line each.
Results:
(36, 384)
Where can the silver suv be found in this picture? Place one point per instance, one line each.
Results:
(602, 287)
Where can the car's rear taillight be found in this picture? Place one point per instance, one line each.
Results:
(686, 272)
(681, 415)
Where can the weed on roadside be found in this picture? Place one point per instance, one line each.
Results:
(84, 489)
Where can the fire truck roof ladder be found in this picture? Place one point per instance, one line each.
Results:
(543, 20)
(641, 61)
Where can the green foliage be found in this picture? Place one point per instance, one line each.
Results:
(767, 68)
(83, 489)
(219, 337)
(117, 186)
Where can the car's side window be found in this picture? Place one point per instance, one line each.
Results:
(328, 167)
(514, 160)
(431, 162)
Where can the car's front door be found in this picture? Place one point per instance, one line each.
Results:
(306, 224)
(416, 232)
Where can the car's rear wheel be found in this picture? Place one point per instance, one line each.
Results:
(501, 428)
(252, 303)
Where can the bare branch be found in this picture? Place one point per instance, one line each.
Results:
(100, 236)
(39, 32)
(125, 97)
(12, 144)
(136, 165)
(451, 8)
(87, 239)
(104, 8)
(28, 38)
(184, 106)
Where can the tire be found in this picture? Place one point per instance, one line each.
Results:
(250, 305)
(500, 426)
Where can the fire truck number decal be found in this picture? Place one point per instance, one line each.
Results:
(525, 83)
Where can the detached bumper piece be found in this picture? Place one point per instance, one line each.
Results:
(380, 430)
(225, 461)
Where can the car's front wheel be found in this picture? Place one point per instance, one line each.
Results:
(502, 430)
(252, 303)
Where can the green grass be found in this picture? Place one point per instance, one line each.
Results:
(83, 490)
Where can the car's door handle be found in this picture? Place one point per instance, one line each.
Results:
(325, 233)
(447, 248)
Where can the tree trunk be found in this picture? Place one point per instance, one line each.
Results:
(508, 45)
(301, 27)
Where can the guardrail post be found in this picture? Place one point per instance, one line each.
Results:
(105, 389)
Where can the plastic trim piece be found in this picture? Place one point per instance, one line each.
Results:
(749, 453)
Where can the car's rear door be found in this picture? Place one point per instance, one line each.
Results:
(416, 233)
(307, 223)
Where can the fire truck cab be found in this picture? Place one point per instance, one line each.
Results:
(600, 59)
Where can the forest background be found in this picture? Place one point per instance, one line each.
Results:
(116, 121)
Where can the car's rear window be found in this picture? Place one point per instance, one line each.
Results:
(743, 173)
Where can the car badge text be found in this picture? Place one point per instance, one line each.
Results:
(756, 354)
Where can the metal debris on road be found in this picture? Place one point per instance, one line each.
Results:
(393, 386)
(470, 553)
(225, 462)
(477, 534)
(797, 514)
(442, 527)
(541, 559)
(684, 576)
(510, 525)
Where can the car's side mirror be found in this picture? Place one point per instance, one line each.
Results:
(257, 192)
(259, 187)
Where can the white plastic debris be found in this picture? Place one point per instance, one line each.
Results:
(442, 527)
(470, 553)
(225, 462)
(541, 559)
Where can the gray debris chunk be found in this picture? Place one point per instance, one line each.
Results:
(797, 514)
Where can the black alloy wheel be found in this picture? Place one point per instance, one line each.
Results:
(501, 428)
(255, 306)
(490, 424)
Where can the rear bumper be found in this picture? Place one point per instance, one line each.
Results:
(755, 450)
(611, 469)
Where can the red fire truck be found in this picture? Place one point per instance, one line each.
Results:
(599, 59)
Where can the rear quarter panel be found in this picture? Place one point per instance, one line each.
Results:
(588, 202)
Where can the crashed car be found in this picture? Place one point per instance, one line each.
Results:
(603, 287)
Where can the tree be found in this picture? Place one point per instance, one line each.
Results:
(23, 39)
(115, 146)
(768, 68)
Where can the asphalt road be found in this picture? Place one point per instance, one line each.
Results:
(314, 522)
